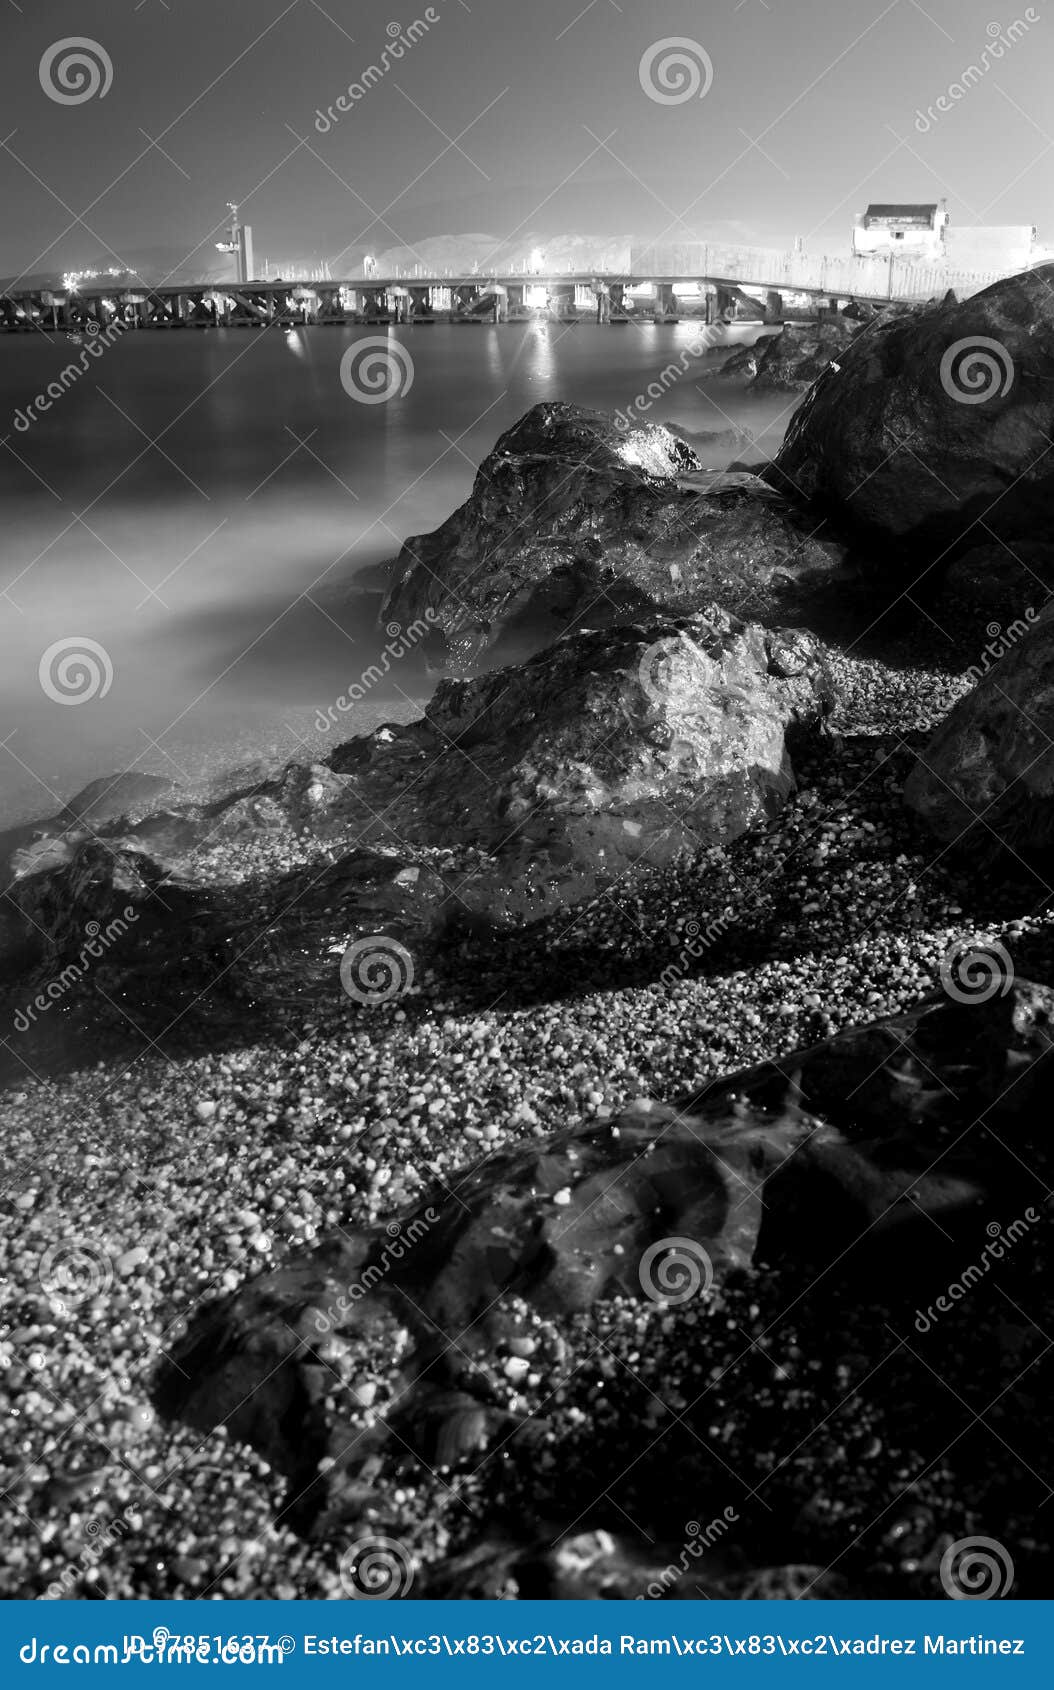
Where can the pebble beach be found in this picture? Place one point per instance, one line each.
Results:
(147, 1187)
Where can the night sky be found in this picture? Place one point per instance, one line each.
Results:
(507, 118)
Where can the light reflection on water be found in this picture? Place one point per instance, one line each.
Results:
(198, 504)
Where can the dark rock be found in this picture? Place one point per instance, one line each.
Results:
(791, 361)
(999, 577)
(609, 746)
(724, 441)
(127, 797)
(988, 772)
(87, 891)
(574, 522)
(164, 950)
(613, 745)
(401, 906)
(878, 1152)
(934, 423)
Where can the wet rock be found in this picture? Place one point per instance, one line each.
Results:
(727, 442)
(88, 892)
(609, 746)
(934, 423)
(318, 916)
(791, 361)
(875, 1152)
(127, 797)
(572, 522)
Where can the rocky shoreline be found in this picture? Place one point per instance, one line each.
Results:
(315, 1241)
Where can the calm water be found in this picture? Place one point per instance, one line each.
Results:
(214, 567)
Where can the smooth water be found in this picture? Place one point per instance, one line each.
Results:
(198, 504)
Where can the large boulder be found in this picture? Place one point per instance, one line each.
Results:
(869, 1169)
(573, 521)
(988, 772)
(936, 426)
(613, 745)
(518, 791)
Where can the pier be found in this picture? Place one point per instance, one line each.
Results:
(659, 284)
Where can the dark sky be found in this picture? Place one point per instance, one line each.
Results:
(811, 112)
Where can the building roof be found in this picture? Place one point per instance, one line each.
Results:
(907, 212)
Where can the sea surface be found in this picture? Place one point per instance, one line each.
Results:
(195, 512)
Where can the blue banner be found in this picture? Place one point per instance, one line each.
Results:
(443, 1643)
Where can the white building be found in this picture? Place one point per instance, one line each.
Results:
(911, 231)
(925, 233)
